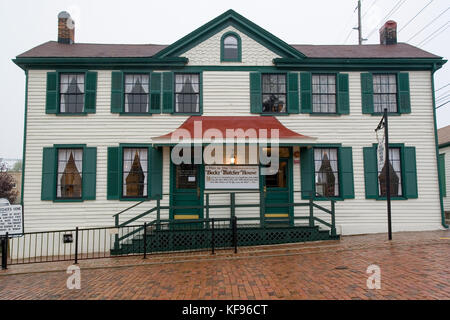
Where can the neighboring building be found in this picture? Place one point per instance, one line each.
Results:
(444, 167)
(17, 176)
(100, 117)
(8, 162)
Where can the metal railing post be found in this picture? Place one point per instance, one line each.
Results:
(263, 208)
(207, 210)
(235, 234)
(311, 211)
(158, 213)
(5, 252)
(232, 205)
(116, 236)
(76, 245)
(212, 236)
(145, 240)
(333, 219)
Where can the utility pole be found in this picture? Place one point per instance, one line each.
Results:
(360, 39)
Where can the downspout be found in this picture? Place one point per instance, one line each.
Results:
(441, 196)
(24, 149)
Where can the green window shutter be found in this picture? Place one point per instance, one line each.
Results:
(307, 172)
(155, 92)
(48, 187)
(346, 167)
(410, 185)
(114, 172)
(51, 101)
(255, 92)
(343, 103)
(116, 92)
(89, 173)
(367, 93)
(167, 87)
(156, 179)
(293, 98)
(370, 172)
(90, 92)
(404, 101)
(442, 178)
(306, 92)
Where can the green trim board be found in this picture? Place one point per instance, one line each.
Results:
(242, 24)
(222, 47)
(442, 177)
(50, 173)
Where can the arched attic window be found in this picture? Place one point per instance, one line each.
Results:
(230, 47)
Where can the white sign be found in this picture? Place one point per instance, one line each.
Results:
(231, 177)
(11, 220)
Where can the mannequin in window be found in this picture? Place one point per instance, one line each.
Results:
(394, 181)
(135, 179)
(71, 180)
(326, 177)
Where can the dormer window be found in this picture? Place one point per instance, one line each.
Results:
(231, 47)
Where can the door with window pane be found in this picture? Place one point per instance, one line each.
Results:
(277, 190)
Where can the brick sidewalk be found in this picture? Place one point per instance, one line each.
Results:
(413, 266)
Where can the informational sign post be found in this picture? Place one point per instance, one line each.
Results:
(231, 177)
(11, 220)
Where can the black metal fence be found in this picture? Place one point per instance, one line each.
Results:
(105, 242)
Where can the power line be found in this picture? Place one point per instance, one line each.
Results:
(373, 3)
(448, 84)
(415, 16)
(443, 98)
(442, 104)
(349, 20)
(428, 39)
(393, 10)
(443, 94)
(432, 21)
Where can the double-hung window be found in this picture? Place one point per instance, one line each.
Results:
(135, 172)
(324, 93)
(274, 93)
(70, 172)
(326, 171)
(71, 92)
(385, 92)
(136, 93)
(187, 93)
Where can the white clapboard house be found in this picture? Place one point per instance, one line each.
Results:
(102, 122)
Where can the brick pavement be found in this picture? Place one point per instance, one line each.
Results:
(413, 266)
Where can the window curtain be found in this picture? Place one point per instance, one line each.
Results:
(70, 84)
(129, 155)
(321, 177)
(64, 155)
(135, 84)
(186, 84)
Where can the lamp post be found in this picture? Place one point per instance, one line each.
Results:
(384, 124)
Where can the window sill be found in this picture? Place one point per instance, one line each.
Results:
(392, 198)
(389, 114)
(274, 114)
(68, 200)
(68, 114)
(186, 113)
(134, 114)
(325, 114)
(135, 199)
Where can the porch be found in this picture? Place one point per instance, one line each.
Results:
(216, 231)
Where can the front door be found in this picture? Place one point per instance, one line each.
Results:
(277, 189)
(187, 191)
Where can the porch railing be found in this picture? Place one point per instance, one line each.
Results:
(207, 207)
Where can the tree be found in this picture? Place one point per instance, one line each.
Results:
(17, 166)
(6, 185)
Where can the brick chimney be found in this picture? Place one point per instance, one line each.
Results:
(388, 33)
(66, 28)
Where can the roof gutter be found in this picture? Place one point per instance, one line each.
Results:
(361, 63)
(98, 62)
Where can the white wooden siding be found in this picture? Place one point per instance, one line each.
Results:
(208, 52)
(227, 93)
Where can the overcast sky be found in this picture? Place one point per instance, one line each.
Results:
(27, 23)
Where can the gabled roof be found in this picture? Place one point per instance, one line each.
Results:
(444, 136)
(230, 18)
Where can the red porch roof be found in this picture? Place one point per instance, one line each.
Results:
(224, 123)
